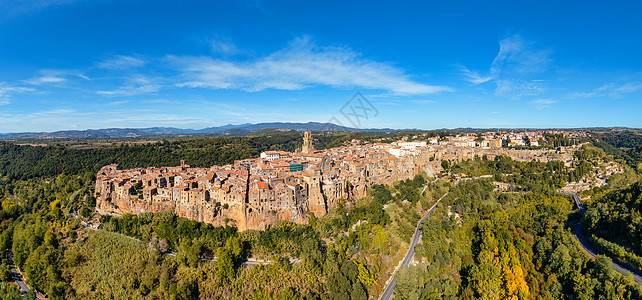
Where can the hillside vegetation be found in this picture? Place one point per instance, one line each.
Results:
(480, 243)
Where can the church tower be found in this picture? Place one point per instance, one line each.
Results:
(307, 143)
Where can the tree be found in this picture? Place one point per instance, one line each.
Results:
(514, 283)
(289, 294)
(358, 292)
(234, 246)
(445, 164)
(367, 276)
(9, 291)
(224, 265)
(350, 270)
(189, 252)
(5, 272)
(506, 142)
(381, 194)
(480, 138)
(339, 286)
(410, 283)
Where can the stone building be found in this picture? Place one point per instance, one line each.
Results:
(307, 143)
(259, 192)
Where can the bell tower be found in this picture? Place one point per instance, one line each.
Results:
(307, 143)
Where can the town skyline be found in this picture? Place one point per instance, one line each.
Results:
(258, 192)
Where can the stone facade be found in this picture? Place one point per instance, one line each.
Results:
(257, 193)
(307, 143)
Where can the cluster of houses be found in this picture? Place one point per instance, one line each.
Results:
(253, 193)
(499, 139)
(278, 185)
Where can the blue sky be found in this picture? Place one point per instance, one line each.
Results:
(68, 64)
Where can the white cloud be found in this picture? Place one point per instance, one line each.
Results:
(45, 80)
(424, 101)
(83, 76)
(121, 62)
(136, 85)
(6, 90)
(474, 77)
(515, 68)
(543, 103)
(13, 7)
(300, 65)
(117, 103)
(517, 57)
(55, 111)
(51, 77)
(225, 48)
(519, 87)
(612, 90)
(130, 91)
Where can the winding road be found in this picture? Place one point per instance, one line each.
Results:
(388, 291)
(579, 235)
(17, 276)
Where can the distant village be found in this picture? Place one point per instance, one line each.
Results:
(259, 192)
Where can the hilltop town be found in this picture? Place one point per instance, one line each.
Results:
(259, 192)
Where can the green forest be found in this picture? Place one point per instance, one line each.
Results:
(25, 162)
(480, 242)
(614, 222)
(613, 212)
(484, 244)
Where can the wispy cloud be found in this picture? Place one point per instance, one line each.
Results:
(474, 77)
(224, 47)
(7, 90)
(47, 77)
(517, 88)
(55, 111)
(162, 101)
(515, 69)
(516, 66)
(424, 101)
(137, 85)
(13, 7)
(543, 103)
(612, 90)
(518, 56)
(117, 103)
(54, 77)
(121, 62)
(131, 90)
(83, 76)
(64, 118)
(300, 65)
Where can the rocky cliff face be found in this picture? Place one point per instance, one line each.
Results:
(120, 191)
(241, 216)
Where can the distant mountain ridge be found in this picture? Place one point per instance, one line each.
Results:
(230, 129)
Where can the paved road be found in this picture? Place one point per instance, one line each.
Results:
(244, 261)
(16, 276)
(388, 291)
(578, 203)
(579, 235)
(426, 186)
